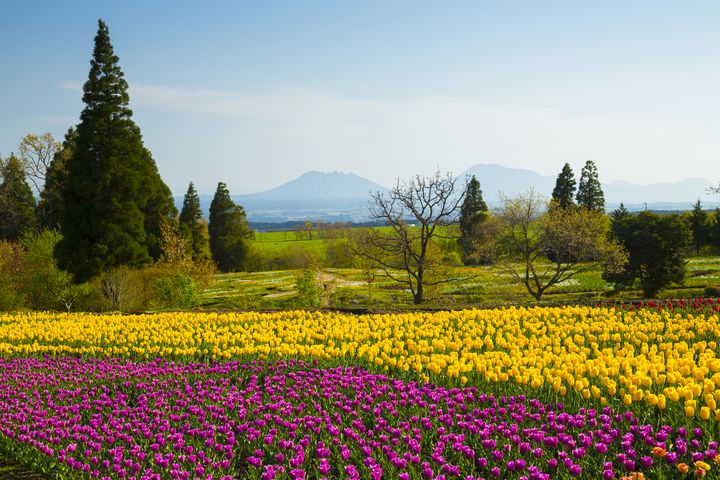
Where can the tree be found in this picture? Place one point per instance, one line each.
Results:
(36, 154)
(541, 248)
(699, 226)
(417, 212)
(590, 194)
(113, 198)
(51, 194)
(17, 203)
(564, 191)
(192, 226)
(656, 248)
(229, 232)
(45, 286)
(620, 213)
(473, 212)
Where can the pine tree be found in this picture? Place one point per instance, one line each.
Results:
(473, 212)
(564, 190)
(699, 226)
(620, 213)
(229, 232)
(113, 199)
(590, 194)
(17, 203)
(191, 224)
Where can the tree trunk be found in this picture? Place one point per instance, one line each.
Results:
(418, 297)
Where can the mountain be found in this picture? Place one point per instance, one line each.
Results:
(340, 196)
(678, 195)
(686, 191)
(495, 179)
(331, 197)
(314, 186)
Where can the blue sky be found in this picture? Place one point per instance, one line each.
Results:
(257, 93)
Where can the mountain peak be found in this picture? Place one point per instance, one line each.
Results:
(316, 185)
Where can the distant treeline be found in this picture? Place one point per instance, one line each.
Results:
(298, 224)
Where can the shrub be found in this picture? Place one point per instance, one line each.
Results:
(711, 292)
(124, 289)
(176, 291)
(290, 258)
(11, 259)
(306, 286)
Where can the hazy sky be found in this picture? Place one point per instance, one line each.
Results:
(256, 93)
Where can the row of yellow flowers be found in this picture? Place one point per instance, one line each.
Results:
(660, 359)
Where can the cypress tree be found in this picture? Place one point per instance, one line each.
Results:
(229, 232)
(113, 199)
(17, 203)
(564, 191)
(191, 224)
(590, 194)
(699, 227)
(473, 212)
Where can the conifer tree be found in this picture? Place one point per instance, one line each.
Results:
(113, 199)
(590, 194)
(564, 191)
(17, 203)
(229, 232)
(699, 226)
(473, 212)
(620, 213)
(191, 224)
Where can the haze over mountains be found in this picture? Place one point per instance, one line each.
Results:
(338, 196)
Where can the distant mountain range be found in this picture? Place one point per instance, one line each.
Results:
(340, 196)
(678, 195)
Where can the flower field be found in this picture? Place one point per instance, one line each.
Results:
(535, 393)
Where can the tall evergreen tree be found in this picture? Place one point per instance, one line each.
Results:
(113, 199)
(564, 191)
(590, 194)
(191, 224)
(51, 194)
(473, 212)
(17, 203)
(620, 213)
(699, 226)
(229, 232)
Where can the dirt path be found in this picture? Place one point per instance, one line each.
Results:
(340, 281)
(323, 277)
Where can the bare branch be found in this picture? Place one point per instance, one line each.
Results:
(429, 202)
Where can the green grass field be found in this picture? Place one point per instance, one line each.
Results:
(474, 286)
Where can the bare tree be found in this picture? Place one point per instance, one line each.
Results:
(36, 154)
(416, 212)
(123, 288)
(541, 248)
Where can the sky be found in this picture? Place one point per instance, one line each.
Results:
(257, 93)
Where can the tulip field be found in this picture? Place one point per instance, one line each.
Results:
(606, 392)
